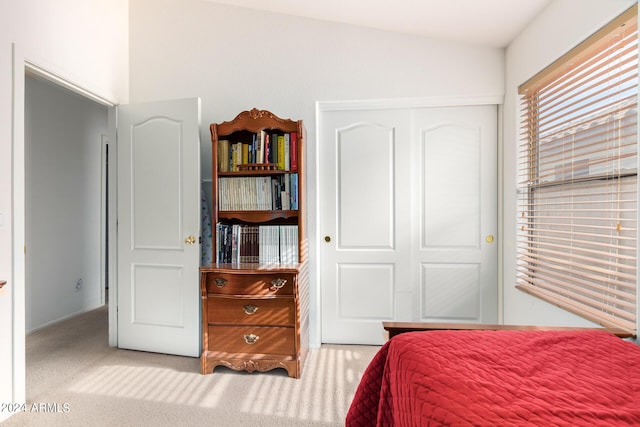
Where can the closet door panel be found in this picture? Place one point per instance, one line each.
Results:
(451, 202)
(365, 272)
(457, 214)
(365, 181)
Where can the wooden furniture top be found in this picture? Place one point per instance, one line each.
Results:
(395, 328)
(253, 121)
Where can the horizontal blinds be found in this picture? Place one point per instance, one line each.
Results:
(577, 183)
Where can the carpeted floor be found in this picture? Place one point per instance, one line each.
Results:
(75, 379)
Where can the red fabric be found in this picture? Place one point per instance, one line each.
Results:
(500, 378)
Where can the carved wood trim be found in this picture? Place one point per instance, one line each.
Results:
(253, 120)
(251, 365)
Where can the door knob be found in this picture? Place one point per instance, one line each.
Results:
(327, 239)
(190, 240)
(489, 238)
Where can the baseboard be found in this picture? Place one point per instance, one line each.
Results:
(62, 319)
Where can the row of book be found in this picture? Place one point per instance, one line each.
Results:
(239, 243)
(266, 147)
(257, 193)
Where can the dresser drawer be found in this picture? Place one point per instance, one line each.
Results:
(252, 339)
(252, 311)
(249, 284)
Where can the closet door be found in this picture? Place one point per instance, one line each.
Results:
(365, 267)
(455, 214)
(407, 210)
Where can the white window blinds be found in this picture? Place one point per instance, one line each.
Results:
(578, 164)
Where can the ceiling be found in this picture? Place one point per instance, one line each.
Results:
(491, 23)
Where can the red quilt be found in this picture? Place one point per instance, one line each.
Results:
(500, 378)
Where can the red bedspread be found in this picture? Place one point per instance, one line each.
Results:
(500, 378)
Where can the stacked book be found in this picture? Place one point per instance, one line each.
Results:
(239, 243)
(266, 146)
(258, 193)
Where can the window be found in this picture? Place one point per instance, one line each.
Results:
(577, 184)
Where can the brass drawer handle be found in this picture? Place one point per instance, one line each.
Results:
(220, 282)
(277, 284)
(251, 338)
(250, 309)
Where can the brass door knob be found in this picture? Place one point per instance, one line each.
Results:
(327, 239)
(191, 240)
(489, 238)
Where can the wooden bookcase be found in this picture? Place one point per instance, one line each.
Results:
(255, 298)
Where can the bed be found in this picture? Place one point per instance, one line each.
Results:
(499, 376)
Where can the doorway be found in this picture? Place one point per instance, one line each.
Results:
(65, 200)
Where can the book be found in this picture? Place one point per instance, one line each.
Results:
(294, 151)
(223, 155)
(285, 191)
(267, 148)
(274, 148)
(287, 146)
(280, 159)
(261, 147)
(245, 154)
(294, 191)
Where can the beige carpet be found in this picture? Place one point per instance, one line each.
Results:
(75, 379)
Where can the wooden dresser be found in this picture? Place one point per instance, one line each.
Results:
(254, 320)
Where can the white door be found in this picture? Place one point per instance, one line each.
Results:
(407, 198)
(365, 221)
(454, 243)
(159, 227)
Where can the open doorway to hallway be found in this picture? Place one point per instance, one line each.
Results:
(66, 160)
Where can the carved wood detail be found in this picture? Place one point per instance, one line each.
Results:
(252, 365)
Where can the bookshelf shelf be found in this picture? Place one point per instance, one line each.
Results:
(258, 216)
(254, 173)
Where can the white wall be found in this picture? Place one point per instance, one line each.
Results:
(236, 59)
(83, 41)
(63, 200)
(561, 26)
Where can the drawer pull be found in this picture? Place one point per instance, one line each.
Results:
(277, 284)
(220, 282)
(251, 338)
(250, 309)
